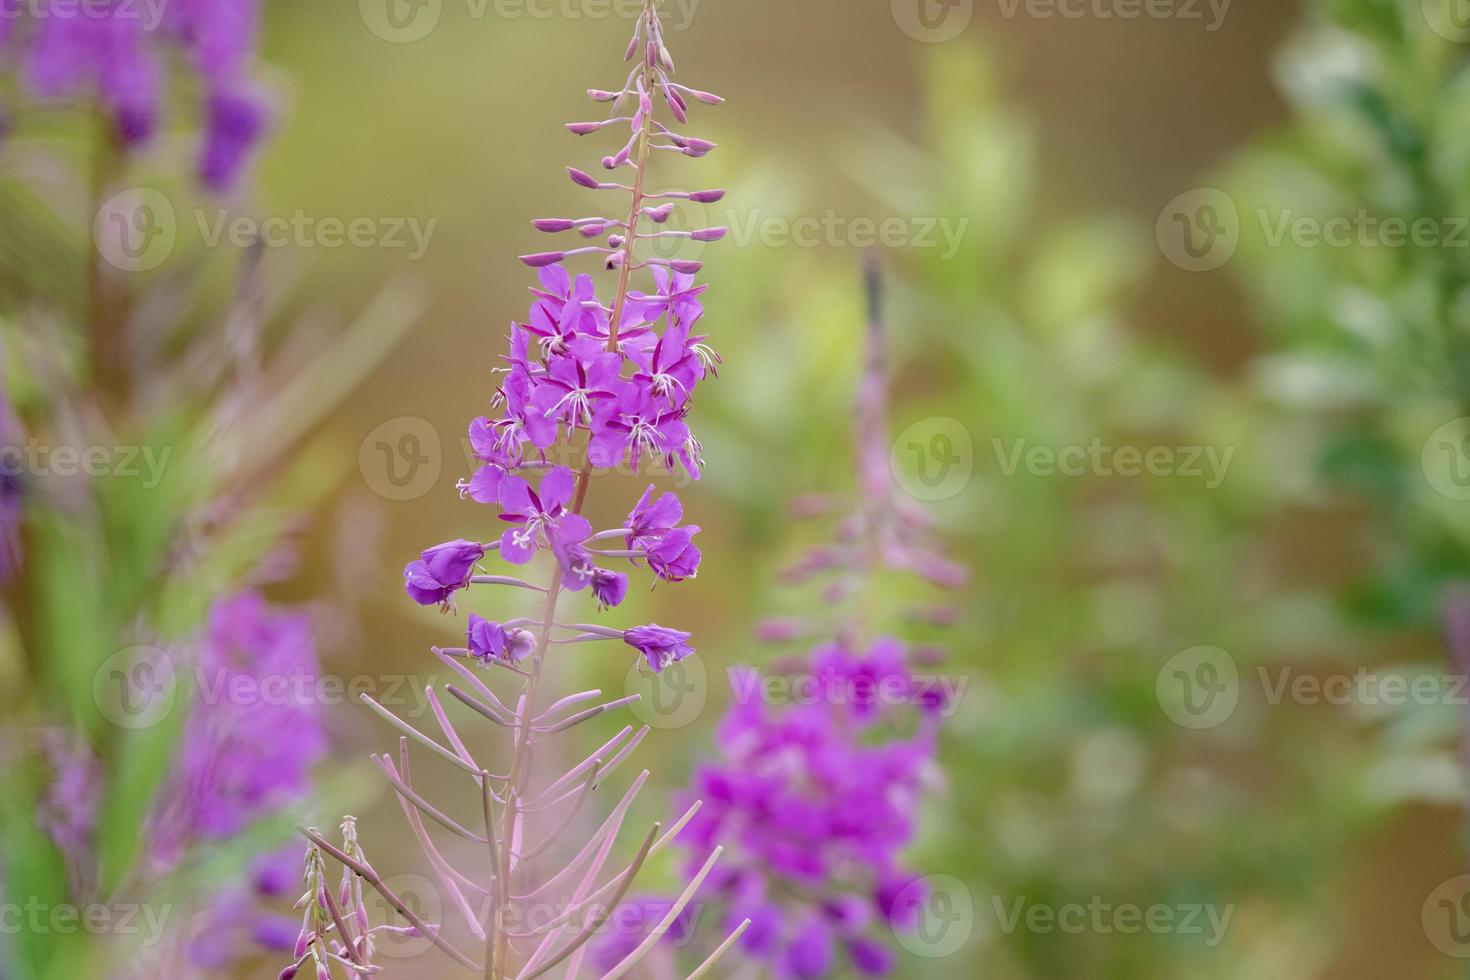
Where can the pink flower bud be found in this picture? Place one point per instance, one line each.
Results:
(695, 147)
(578, 177)
(709, 234)
(709, 98)
(616, 241)
(539, 259)
(660, 214)
(583, 128)
(554, 224)
(598, 95)
(289, 973)
(685, 265)
(707, 197)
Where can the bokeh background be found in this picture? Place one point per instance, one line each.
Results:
(1057, 147)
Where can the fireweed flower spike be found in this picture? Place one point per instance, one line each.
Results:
(817, 798)
(614, 375)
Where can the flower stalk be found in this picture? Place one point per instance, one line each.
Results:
(615, 379)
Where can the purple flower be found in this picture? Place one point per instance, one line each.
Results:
(870, 957)
(493, 641)
(670, 369)
(809, 955)
(652, 529)
(532, 512)
(637, 426)
(116, 56)
(674, 557)
(243, 757)
(236, 121)
(652, 518)
(675, 294)
(572, 388)
(661, 645)
(610, 588)
(441, 571)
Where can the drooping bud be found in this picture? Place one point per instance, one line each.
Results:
(538, 259)
(707, 197)
(709, 234)
(553, 224)
(578, 177)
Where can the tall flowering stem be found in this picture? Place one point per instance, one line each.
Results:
(614, 380)
(817, 797)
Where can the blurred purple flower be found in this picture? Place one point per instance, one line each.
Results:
(243, 755)
(116, 54)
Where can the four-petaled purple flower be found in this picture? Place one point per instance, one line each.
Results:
(659, 644)
(533, 512)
